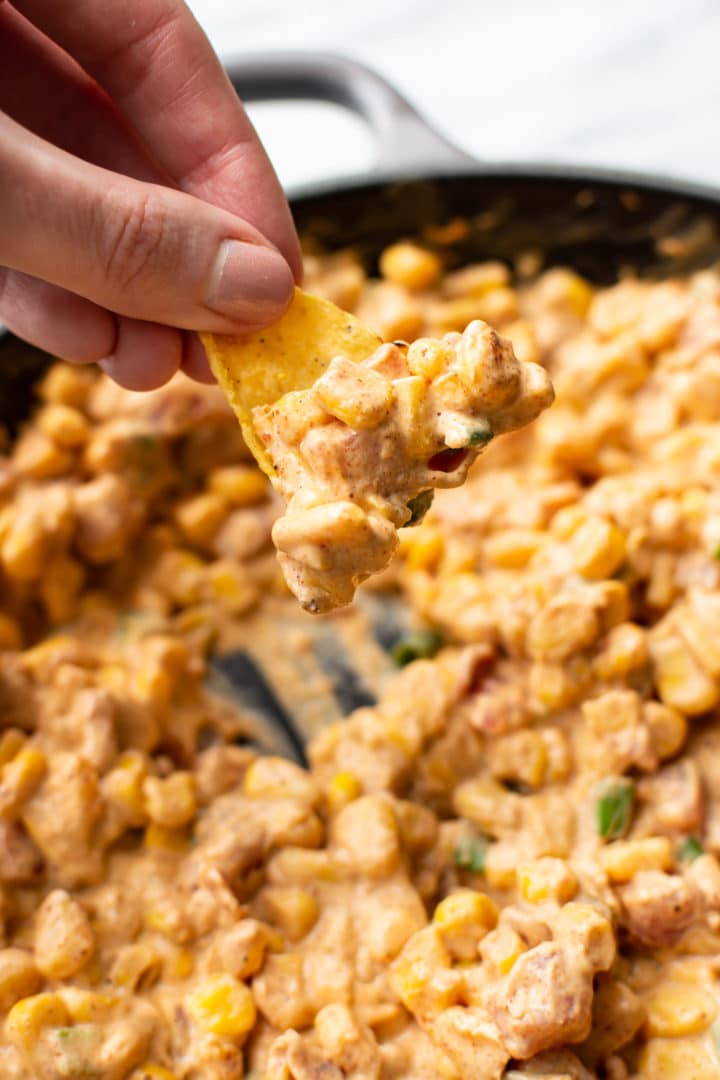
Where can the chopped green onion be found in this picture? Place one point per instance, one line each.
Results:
(614, 807)
(419, 506)
(416, 645)
(690, 849)
(78, 1051)
(480, 436)
(716, 552)
(470, 851)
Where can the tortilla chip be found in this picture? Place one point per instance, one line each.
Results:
(291, 354)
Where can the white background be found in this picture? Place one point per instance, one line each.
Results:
(624, 83)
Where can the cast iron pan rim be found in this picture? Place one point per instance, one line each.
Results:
(531, 172)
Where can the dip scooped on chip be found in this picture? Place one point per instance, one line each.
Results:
(356, 434)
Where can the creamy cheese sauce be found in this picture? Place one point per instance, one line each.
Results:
(358, 455)
(509, 866)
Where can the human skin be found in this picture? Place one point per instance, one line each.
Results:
(137, 204)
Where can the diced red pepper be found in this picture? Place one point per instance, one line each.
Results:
(447, 460)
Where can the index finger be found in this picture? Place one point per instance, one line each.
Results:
(162, 73)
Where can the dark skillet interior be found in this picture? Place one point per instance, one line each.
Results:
(599, 227)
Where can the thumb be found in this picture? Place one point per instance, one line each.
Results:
(141, 250)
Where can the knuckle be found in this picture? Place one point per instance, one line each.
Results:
(134, 241)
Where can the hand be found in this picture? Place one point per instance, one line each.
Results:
(136, 202)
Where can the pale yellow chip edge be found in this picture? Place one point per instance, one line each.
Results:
(337, 332)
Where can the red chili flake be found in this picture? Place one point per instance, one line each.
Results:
(447, 460)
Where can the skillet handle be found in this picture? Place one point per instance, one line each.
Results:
(406, 142)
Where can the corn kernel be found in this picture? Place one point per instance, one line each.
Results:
(677, 1059)
(11, 636)
(402, 733)
(63, 424)
(559, 755)
(429, 358)
(487, 804)
(676, 1009)
(88, 1006)
(411, 405)
(586, 925)
(423, 547)
(421, 976)
(200, 516)
(293, 909)
(152, 684)
(568, 520)
(598, 548)
(241, 949)
(68, 384)
(270, 777)
(170, 802)
(230, 585)
(547, 879)
(37, 456)
(169, 921)
(463, 919)
(59, 588)
(698, 622)
(458, 557)
(11, 741)
(123, 787)
(354, 393)
(239, 485)
(410, 265)
(50, 651)
(364, 836)
(521, 757)
(524, 341)
(613, 603)
(578, 294)
(445, 1067)
(496, 306)
(30, 1015)
(64, 940)
(223, 1006)
(681, 680)
(668, 728)
(149, 1071)
(551, 686)
(296, 865)
(565, 625)
(24, 550)
(19, 778)
(179, 964)
(476, 279)
(501, 867)
(19, 976)
(166, 839)
(623, 650)
(622, 859)
(513, 548)
(135, 966)
(342, 789)
(502, 948)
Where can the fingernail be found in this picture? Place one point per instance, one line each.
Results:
(249, 282)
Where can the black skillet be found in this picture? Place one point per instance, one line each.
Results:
(292, 673)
